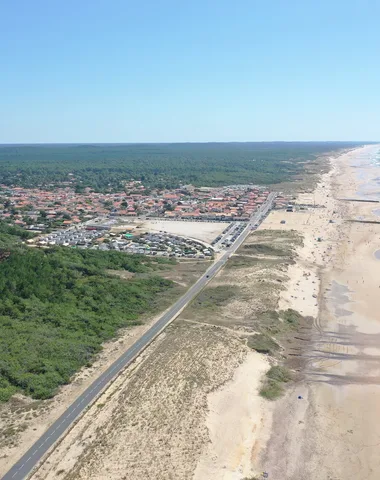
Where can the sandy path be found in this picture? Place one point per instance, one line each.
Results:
(235, 422)
(333, 431)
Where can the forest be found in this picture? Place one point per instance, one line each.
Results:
(57, 307)
(106, 167)
(11, 234)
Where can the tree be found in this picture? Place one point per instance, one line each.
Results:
(79, 188)
(168, 207)
(58, 305)
(27, 220)
(108, 204)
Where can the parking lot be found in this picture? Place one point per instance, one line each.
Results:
(228, 236)
(165, 244)
(158, 243)
(67, 238)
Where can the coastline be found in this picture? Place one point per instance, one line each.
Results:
(332, 432)
(228, 431)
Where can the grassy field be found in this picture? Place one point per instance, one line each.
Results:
(244, 298)
(245, 293)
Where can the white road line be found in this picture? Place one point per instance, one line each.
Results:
(150, 334)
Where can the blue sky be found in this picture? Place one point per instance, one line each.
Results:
(200, 70)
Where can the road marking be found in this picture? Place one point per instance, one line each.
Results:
(131, 354)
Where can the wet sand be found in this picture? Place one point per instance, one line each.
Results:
(333, 431)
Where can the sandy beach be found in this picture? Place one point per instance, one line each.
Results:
(190, 408)
(332, 432)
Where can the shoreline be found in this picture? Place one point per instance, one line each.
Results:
(242, 453)
(240, 434)
(340, 386)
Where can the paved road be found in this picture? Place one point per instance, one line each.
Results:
(229, 234)
(31, 458)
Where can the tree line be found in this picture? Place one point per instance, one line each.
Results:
(107, 167)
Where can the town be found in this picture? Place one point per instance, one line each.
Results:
(39, 209)
(114, 221)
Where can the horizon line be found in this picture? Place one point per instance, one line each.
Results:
(189, 142)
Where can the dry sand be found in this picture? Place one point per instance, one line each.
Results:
(29, 419)
(190, 408)
(23, 420)
(190, 405)
(333, 431)
(235, 423)
(204, 231)
(150, 424)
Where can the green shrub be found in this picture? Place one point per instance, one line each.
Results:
(214, 297)
(291, 317)
(263, 343)
(279, 374)
(272, 387)
(271, 390)
(7, 392)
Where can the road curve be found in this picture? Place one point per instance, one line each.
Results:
(31, 458)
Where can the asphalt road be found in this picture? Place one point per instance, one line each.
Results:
(27, 462)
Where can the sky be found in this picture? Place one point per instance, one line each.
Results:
(189, 71)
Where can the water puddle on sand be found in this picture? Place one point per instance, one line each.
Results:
(377, 254)
(376, 212)
(339, 296)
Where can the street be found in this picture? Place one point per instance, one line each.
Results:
(31, 458)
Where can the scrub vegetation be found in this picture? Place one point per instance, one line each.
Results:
(273, 385)
(58, 305)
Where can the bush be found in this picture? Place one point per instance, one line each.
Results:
(292, 317)
(271, 390)
(263, 343)
(213, 297)
(272, 387)
(279, 374)
(6, 392)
